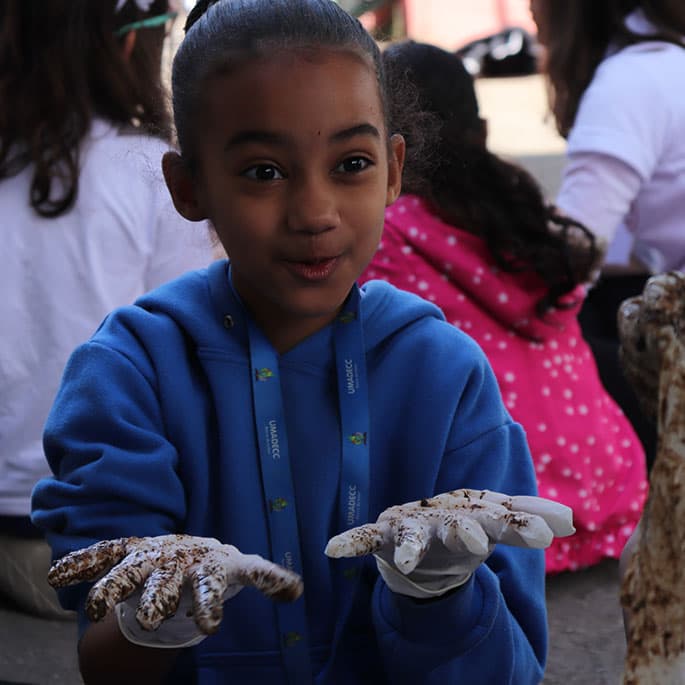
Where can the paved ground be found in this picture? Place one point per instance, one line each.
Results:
(586, 634)
(586, 638)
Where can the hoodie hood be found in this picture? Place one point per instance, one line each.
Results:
(387, 310)
(422, 253)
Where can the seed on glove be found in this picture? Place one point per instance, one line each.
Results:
(161, 595)
(358, 541)
(87, 564)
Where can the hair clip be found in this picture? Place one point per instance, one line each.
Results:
(148, 23)
(143, 5)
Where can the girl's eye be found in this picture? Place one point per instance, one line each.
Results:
(353, 165)
(263, 172)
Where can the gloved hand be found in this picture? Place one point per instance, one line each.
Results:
(427, 548)
(147, 580)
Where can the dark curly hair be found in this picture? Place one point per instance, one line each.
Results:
(471, 188)
(61, 64)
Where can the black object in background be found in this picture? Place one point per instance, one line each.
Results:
(598, 322)
(510, 52)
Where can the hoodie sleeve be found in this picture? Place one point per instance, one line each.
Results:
(115, 472)
(494, 628)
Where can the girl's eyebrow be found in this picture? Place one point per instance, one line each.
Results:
(256, 136)
(358, 130)
(273, 138)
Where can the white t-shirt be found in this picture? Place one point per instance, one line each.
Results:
(60, 277)
(626, 152)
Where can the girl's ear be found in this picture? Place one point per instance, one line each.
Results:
(395, 165)
(181, 187)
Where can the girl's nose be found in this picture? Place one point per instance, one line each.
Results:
(312, 206)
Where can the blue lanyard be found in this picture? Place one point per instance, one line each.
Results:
(277, 473)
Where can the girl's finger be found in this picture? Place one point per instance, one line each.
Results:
(359, 541)
(273, 580)
(526, 530)
(87, 564)
(121, 582)
(558, 516)
(209, 581)
(412, 539)
(492, 518)
(459, 532)
(161, 595)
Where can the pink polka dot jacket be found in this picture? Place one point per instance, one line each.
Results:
(585, 451)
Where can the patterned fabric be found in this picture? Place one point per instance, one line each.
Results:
(585, 452)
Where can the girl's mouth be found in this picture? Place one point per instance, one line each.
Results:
(314, 271)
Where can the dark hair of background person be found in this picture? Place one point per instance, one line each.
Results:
(61, 64)
(243, 30)
(577, 35)
(473, 189)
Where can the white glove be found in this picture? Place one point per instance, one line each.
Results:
(153, 574)
(427, 548)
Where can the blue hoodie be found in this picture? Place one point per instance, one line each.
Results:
(152, 433)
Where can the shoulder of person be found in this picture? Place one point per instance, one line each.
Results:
(125, 150)
(646, 65)
(635, 100)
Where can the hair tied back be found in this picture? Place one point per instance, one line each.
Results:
(201, 6)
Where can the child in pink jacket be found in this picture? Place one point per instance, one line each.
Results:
(477, 239)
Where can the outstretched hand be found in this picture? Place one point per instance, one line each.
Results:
(428, 547)
(159, 567)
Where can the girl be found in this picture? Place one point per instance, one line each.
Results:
(477, 238)
(613, 69)
(87, 223)
(268, 403)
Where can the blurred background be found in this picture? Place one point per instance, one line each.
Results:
(446, 23)
(496, 38)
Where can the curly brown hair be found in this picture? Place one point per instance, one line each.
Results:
(472, 188)
(61, 64)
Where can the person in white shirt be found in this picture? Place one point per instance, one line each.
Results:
(617, 93)
(87, 223)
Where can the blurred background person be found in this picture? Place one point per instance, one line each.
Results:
(616, 74)
(87, 222)
(473, 234)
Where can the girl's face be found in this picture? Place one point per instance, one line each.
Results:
(295, 173)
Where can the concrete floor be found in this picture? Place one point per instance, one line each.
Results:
(586, 639)
(37, 652)
(586, 645)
